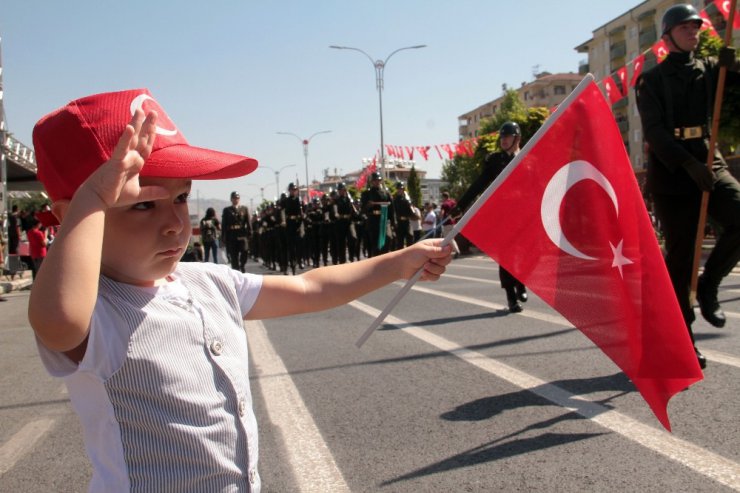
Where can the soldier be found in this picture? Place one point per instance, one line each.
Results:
(328, 242)
(675, 100)
(294, 229)
(510, 136)
(344, 230)
(314, 218)
(236, 229)
(373, 199)
(404, 213)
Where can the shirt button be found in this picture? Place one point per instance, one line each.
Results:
(217, 347)
(252, 476)
(242, 407)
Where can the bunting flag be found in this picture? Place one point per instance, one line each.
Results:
(612, 92)
(637, 65)
(706, 24)
(424, 151)
(622, 75)
(660, 50)
(410, 153)
(724, 8)
(583, 242)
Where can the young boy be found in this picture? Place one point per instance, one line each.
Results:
(152, 350)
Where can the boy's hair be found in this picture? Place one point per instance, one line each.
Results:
(75, 140)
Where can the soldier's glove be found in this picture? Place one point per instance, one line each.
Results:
(702, 175)
(727, 56)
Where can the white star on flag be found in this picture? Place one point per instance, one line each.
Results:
(619, 258)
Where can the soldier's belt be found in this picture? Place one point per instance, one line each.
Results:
(344, 216)
(375, 213)
(293, 218)
(686, 133)
(403, 218)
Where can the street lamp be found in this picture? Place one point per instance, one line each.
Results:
(305, 143)
(277, 174)
(379, 69)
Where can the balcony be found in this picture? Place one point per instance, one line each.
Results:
(618, 50)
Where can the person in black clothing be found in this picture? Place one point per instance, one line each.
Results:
(236, 229)
(676, 100)
(294, 230)
(344, 211)
(373, 200)
(510, 136)
(402, 209)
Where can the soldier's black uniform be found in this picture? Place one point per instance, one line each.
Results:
(403, 212)
(314, 218)
(293, 210)
(371, 200)
(236, 228)
(493, 165)
(675, 100)
(344, 211)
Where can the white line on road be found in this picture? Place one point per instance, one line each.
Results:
(700, 460)
(23, 442)
(308, 454)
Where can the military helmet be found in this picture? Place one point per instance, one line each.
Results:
(341, 186)
(375, 176)
(400, 184)
(510, 128)
(678, 14)
(291, 186)
(234, 195)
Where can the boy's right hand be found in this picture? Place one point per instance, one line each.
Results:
(116, 182)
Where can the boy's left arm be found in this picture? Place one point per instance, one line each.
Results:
(328, 287)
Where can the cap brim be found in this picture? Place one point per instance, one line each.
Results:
(185, 161)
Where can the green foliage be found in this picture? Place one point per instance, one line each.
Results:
(34, 202)
(460, 172)
(729, 122)
(413, 187)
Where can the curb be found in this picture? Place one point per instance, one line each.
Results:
(14, 285)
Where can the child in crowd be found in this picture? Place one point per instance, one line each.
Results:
(153, 350)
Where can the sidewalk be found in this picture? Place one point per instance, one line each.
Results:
(22, 280)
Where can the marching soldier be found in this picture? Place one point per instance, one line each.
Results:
(236, 230)
(373, 199)
(510, 136)
(314, 218)
(675, 100)
(294, 230)
(344, 211)
(328, 242)
(404, 213)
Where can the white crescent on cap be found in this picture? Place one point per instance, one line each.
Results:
(138, 102)
(559, 184)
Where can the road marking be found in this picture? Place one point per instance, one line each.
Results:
(23, 442)
(690, 455)
(308, 454)
(716, 356)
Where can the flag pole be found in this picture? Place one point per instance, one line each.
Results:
(479, 203)
(719, 94)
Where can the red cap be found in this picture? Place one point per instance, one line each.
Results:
(73, 141)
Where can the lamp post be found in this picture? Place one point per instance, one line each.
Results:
(379, 70)
(277, 175)
(305, 143)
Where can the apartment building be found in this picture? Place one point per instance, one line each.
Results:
(546, 90)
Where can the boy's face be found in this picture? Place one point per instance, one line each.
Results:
(143, 242)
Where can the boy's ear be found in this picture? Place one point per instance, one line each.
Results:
(59, 209)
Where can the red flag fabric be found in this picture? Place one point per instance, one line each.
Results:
(724, 8)
(637, 65)
(706, 24)
(582, 241)
(436, 148)
(612, 91)
(660, 50)
(410, 152)
(424, 151)
(622, 74)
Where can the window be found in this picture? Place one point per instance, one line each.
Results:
(559, 90)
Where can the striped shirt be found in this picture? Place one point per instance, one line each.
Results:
(163, 390)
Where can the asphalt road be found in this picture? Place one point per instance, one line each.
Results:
(451, 394)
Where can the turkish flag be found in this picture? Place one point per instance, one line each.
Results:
(724, 7)
(583, 242)
(660, 50)
(622, 74)
(612, 91)
(637, 65)
(706, 24)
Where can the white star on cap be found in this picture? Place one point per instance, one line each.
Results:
(619, 259)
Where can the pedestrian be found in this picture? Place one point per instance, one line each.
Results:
(37, 244)
(675, 101)
(210, 231)
(415, 222)
(153, 351)
(14, 230)
(429, 223)
(509, 140)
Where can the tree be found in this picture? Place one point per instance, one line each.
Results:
(413, 186)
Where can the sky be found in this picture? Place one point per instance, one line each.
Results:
(231, 74)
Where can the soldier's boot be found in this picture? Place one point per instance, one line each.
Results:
(521, 293)
(511, 298)
(706, 295)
